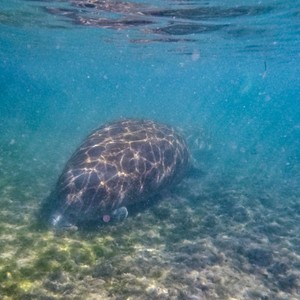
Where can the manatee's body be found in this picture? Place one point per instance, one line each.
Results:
(118, 165)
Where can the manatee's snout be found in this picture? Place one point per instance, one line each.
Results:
(59, 222)
(56, 220)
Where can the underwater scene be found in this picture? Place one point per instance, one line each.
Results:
(184, 114)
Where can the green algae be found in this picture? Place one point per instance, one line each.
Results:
(15, 282)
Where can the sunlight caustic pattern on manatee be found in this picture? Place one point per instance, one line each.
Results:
(118, 165)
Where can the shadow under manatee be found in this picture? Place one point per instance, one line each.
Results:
(43, 215)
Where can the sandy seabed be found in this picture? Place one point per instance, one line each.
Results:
(212, 237)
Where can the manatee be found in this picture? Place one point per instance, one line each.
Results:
(120, 164)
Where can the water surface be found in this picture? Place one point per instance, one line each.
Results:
(226, 74)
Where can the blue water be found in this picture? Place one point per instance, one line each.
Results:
(227, 74)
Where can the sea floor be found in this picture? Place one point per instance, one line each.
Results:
(207, 239)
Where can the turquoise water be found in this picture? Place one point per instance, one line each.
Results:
(226, 74)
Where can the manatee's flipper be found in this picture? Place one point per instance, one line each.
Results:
(119, 214)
